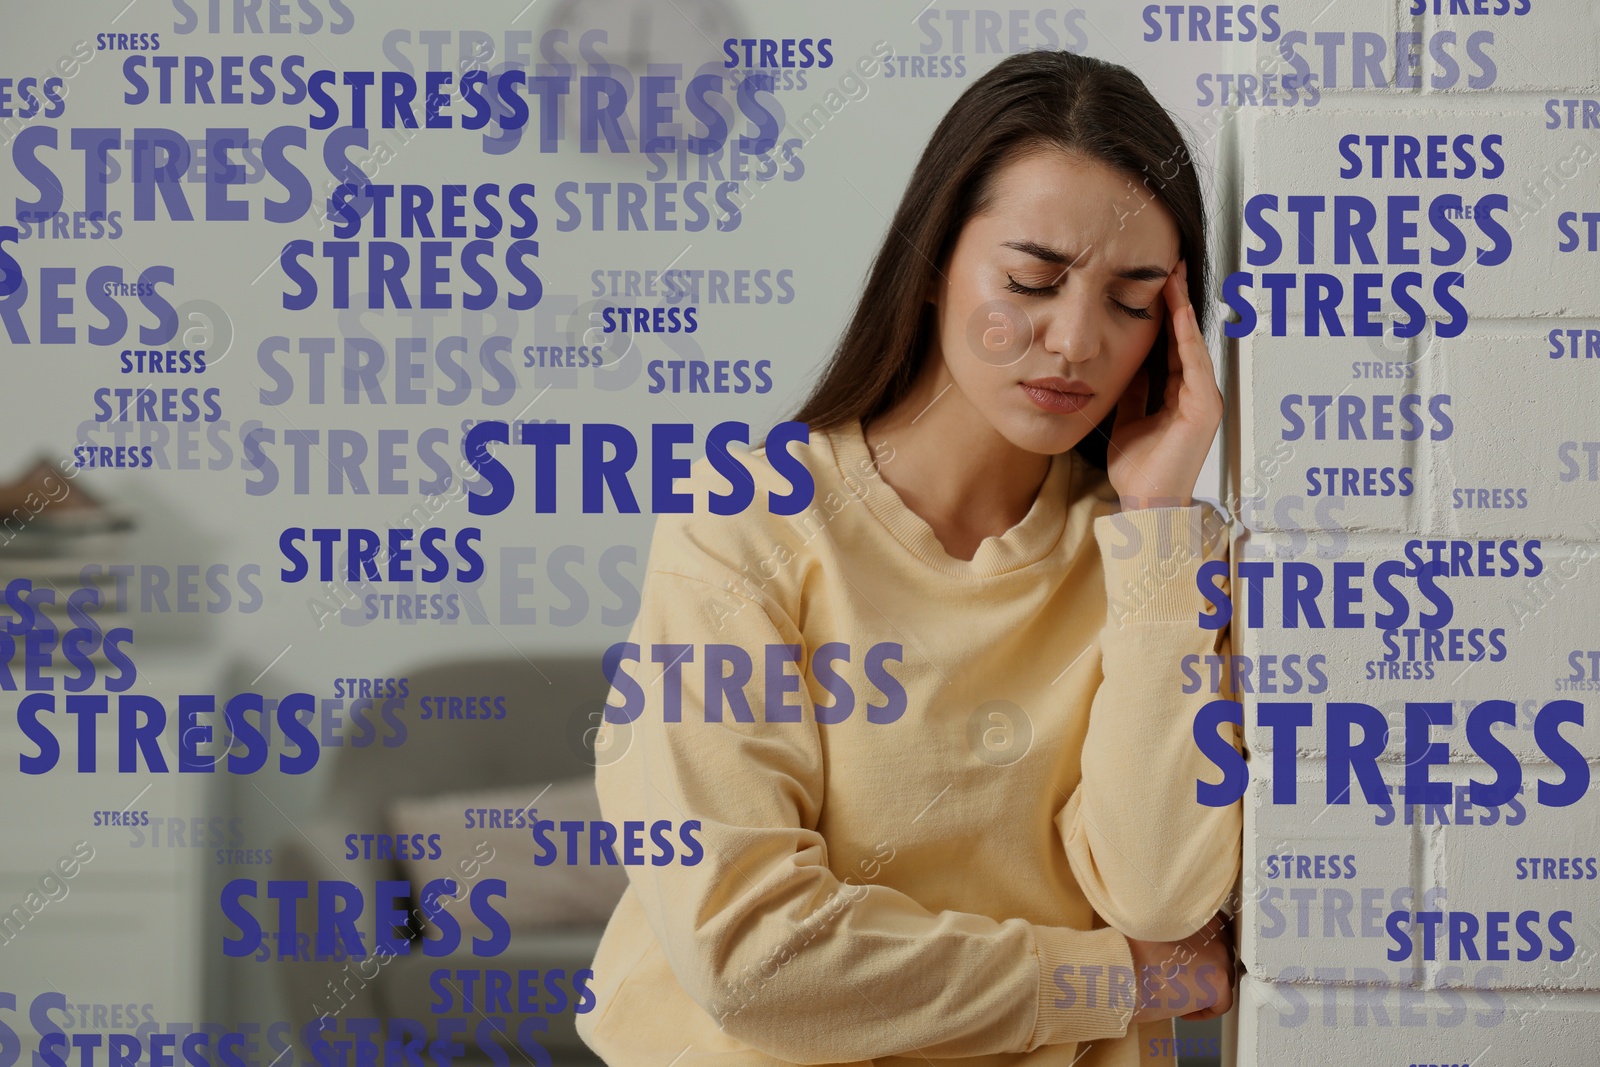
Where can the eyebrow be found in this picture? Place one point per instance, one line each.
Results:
(1054, 255)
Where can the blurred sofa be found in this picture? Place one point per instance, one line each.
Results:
(552, 705)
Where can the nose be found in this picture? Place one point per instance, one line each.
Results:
(1072, 328)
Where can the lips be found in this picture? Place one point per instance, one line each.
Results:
(1058, 394)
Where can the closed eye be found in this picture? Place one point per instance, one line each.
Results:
(1028, 290)
(1049, 290)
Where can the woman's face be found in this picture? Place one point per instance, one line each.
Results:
(1051, 298)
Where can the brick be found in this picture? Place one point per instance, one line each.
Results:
(1478, 869)
(1331, 1025)
(1336, 921)
(1552, 46)
(1547, 173)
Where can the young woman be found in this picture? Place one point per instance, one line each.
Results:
(932, 732)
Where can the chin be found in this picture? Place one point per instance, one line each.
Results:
(1045, 433)
(1046, 436)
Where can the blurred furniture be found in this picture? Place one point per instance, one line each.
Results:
(122, 928)
(551, 704)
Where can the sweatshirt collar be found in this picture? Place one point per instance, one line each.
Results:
(1025, 543)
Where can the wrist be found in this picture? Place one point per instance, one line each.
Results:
(1142, 503)
(1148, 982)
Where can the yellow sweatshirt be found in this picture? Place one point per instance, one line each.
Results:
(941, 865)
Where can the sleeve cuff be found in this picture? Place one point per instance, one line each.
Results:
(1152, 558)
(1087, 987)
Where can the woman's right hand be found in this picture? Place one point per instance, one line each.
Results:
(1192, 978)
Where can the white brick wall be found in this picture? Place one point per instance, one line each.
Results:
(1321, 988)
(1328, 1025)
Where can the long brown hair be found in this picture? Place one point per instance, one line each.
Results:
(1085, 106)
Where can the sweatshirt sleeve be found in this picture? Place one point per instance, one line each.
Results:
(1154, 862)
(785, 956)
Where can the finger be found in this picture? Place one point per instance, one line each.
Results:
(1130, 408)
(1180, 280)
(1215, 1010)
(1201, 1016)
(1186, 326)
(1177, 297)
(1199, 373)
